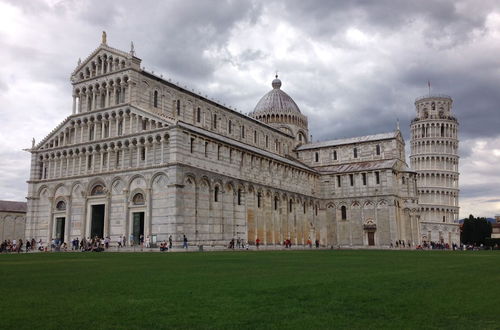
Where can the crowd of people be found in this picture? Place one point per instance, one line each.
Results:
(20, 246)
(98, 244)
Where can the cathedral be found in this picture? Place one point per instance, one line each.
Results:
(142, 156)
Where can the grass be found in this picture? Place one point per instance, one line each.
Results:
(268, 289)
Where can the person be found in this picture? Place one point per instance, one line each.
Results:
(28, 245)
(148, 242)
(120, 240)
(141, 240)
(20, 245)
(317, 243)
(185, 244)
(309, 242)
(170, 242)
(257, 242)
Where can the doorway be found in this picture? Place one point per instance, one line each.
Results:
(137, 226)
(97, 221)
(371, 238)
(60, 224)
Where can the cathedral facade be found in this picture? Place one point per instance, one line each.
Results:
(140, 155)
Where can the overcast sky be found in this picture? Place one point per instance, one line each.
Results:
(353, 67)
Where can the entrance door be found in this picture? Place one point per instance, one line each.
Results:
(60, 223)
(97, 221)
(371, 238)
(138, 226)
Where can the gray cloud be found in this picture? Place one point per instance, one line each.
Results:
(353, 67)
(480, 190)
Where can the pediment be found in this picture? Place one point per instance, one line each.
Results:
(104, 60)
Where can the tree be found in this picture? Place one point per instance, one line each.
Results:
(475, 230)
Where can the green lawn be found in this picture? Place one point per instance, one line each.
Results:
(267, 289)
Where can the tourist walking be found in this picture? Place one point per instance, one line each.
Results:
(185, 242)
(170, 242)
(257, 242)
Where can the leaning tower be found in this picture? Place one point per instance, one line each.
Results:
(434, 156)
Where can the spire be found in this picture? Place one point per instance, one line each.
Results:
(79, 61)
(104, 41)
(397, 124)
(132, 50)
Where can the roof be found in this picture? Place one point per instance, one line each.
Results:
(356, 167)
(276, 101)
(358, 139)
(213, 102)
(242, 145)
(10, 206)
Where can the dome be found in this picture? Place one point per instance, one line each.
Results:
(276, 101)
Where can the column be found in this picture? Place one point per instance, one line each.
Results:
(67, 224)
(101, 160)
(106, 213)
(162, 150)
(50, 228)
(149, 214)
(74, 104)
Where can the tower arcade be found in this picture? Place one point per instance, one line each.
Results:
(434, 156)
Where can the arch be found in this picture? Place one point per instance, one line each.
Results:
(330, 205)
(136, 180)
(204, 181)
(76, 188)
(155, 99)
(343, 212)
(61, 205)
(189, 179)
(97, 190)
(138, 199)
(60, 190)
(158, 179)
(216, 193)
(117, 185)
(43, 189)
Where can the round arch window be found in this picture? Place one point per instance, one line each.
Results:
(97, 190)
(61, 206)
(138, 199)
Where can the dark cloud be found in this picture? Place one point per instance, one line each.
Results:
(451, 22)
(479, 190)
(230, 50)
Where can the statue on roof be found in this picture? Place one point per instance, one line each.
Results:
(103, 37)
(132, 50)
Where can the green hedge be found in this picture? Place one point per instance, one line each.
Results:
(492, 241)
